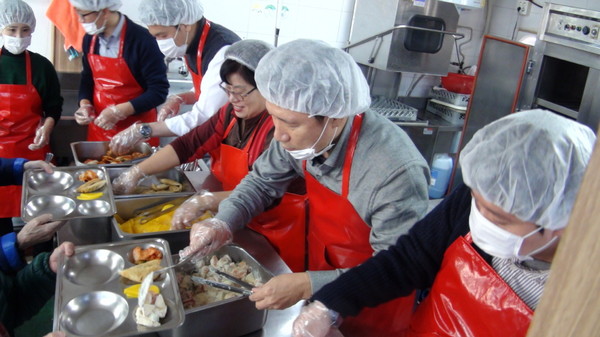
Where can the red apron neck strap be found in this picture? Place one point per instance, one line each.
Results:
(121, 40)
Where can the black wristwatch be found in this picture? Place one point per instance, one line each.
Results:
(145, 130)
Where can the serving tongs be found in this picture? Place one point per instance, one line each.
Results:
(147, 282)
(147, 214)
(244, 291)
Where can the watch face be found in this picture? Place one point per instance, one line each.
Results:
(145, 130)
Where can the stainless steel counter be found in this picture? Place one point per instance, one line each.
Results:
(279, 322)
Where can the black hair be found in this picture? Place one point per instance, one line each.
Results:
(230, 67)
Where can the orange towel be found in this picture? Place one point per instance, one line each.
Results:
(65, 18)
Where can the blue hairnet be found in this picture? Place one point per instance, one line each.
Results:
(16, 11)
(170, 12)
(312, 77)
(96, 5)
(248, 52)
(530, 164)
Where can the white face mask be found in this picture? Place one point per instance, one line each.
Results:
(170, 49)
(499, 242)
(16, 45)
(310, 153)
(91, 27)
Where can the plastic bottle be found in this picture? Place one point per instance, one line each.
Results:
(441, 169)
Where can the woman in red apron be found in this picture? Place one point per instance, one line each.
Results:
(30, 103)
(484, 251)
(118, 87)
(234, 137)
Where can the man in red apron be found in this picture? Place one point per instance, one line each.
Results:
(235, 137)
(486, 250)
(182, 31)
(366, 182)
(30, 101)
(124, 75)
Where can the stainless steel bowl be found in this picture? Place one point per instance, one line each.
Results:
(94, 314)
(93, 267)
(43, 182)
(94, 208)
(57, 205)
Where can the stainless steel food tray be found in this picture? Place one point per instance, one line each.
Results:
(96, 149)
(55, 193)
(214, 319)
(126, 208)
(174, 174)
(89, 298)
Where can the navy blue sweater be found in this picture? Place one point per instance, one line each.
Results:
(145, 61)
(218, 37)
(11, 171)
(412, 263)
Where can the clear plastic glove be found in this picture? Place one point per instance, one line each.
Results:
(314, 321)
(124, 141)
(42, 137)
(206, 237)
(56, 334)
(85, 114)
(40, 165)
(109, 117)
(193, 208)
(66, 248)
(127, 181)
(170, 108)
(39, 229)
(282, 291)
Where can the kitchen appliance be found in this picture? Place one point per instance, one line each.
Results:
(404, 36)
(564, 71)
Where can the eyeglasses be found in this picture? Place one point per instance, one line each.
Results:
(236, 95)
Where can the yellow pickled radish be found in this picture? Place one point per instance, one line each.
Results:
(89, 196)
(133, 291)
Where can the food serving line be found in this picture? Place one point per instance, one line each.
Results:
(103, 230)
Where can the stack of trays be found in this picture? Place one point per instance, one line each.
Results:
(56, 193)
(89, 292)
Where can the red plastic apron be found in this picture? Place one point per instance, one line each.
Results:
(20, 115)
(283, 225)
(339, 238)
(197, 78)
(468, 298)
(114, 84)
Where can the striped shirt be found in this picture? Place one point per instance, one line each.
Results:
(527, 278)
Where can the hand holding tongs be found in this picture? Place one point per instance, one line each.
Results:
(245, 290)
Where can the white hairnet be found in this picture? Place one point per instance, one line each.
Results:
(16, 11)
(312, 77)
(170, 12)
(530, 164)
(96, 5)
(248, 52)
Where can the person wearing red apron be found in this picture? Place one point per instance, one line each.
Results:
(181, 31)
(114, 84)
(485, 251)
(283, 225)
(20, 115)
(124, 75)
(339, 238)
(30, 99)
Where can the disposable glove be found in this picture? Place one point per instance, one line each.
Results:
(193, 208)
(207, 236)
(124, 141)
(39, 164)
(170, 108)
(127, 181)
(315, 321)
(109, 117)
(42, 137)
(85, 114)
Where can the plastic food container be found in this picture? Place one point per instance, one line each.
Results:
(459, 83)
(95, 150)
(443, 95)
(90, 301)
(215, 319)
(448, 112)
(56, 193)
